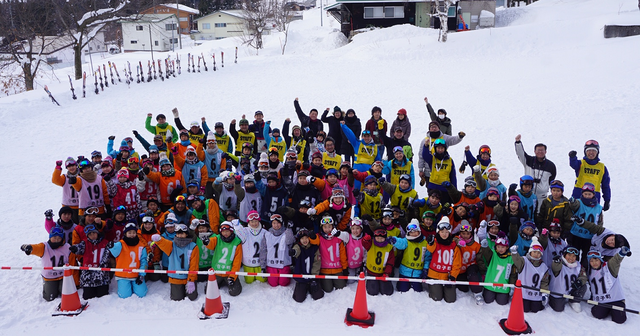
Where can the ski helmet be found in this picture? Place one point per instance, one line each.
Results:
(591, 144)
(484, 149)
(526, 179)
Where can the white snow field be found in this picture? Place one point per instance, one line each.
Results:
(548, 74)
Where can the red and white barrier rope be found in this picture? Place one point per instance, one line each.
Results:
(265, 275)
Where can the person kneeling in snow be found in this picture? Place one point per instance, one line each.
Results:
(306, 261)
(227, 256)
(130, 252)
(54, 253)
(533, 272)
(183, 255)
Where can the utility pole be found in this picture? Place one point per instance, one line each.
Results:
(179, 33)
(150, 42)
(320, 13)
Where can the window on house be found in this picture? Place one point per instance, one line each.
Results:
(156, 43)
(221, 25)
(170, 26)
(173, 40)
(139, 27)
(206, 26)
(134, 42)
(387, 12)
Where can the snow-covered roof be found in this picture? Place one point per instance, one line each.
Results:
(374, 1)
(232, 12)
(182, 8)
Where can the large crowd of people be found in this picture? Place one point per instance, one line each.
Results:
(321, 197)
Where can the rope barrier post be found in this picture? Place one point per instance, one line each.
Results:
(70, 304)
(213, 306)
(515, 324)
(360, 315)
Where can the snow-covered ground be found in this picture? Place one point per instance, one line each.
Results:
(548, 74)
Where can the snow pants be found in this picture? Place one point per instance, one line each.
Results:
(354, 272)
(438, 292)
(490, 296)
(530, 306)
(51, 289)
(251, 279)
(126, 288)
(273, 281)
(179, 292)
(600, 312)
(234, 290)
(471, 274)
(94, 292)
(375, 287)
(329, 284)
(302, 288)
(403, 286)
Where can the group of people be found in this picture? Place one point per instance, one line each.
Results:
(304, 201)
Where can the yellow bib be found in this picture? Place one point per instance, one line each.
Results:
(401, 199)
(591, 174)
(440, 170)
(366, 154)
(398, 171)
(331, 162)
(377, 257)
(244, 137)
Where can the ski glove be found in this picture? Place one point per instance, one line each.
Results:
(345, 272)
(461, 134)
(514, 249)
(135, 133)
(73, 249)
(606, 205)
(430, 239)
(461, 243)
(452, 278)
(141, 176)
(476, 168)
(112, 137)
(59, 164)
(110, 245)
(545, 299)
(311, 179)
(579, 220)
(139, 279)
(483, 224)
(27, 249)
(625, 251)
(484, 243)
(156, 238)
(544, 232)
(230, 282)
(573, 154)
(48, 214)
(191, 287)
(335, 232)
(392, 240)
(311, 211)
(292, 252)
(446, 184)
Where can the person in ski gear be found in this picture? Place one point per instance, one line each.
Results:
(495, 261)
(257, 127)
(532, 272)
(445, 264)
(69, 194)
(379, 262)
(415, 259)
(352, 122)
(528, 200)
(161, 128)
(605, 285)
(182, 255)
(306, 260)
(555, 206)
(130, 252)
(333, 254)
(378, 127)
(591, 170)
(54, 253)
(442, 167)
(244, 135)
(227, 256)
(441, 118)
(542, 169)
(278, 240)
(335, 131)
(567, 276)
(311, 124)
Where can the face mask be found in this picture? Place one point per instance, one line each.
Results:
(441, 116)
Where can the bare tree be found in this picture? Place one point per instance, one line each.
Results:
(282, 16)
(256, 14)
(29, 29)
(443, 16)
(83, 19)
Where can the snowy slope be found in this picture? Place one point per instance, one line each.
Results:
(549, 75)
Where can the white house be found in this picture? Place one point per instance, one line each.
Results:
(220, 24)
(150, 31)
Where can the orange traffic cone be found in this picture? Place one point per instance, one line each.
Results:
(213, 305)
(515, 323)
(70, 304)
(360, 315)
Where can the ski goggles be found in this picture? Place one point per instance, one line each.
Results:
(464, 227)
(397, 149)
(413, 227)
(181, 228)
(356, 221)
(493, 223)
(96, 154)
(90, 228)
(514, 198)
(326, 220)
(56, 232)
(180, 198)
(128, 140)
(485, 150)
(556, 184)
(591, 143)
(147, 219)
(594, 254)
(573, 251)
(276, 217)
(387, 213)
(366, 132)
(378, 163)
(91, 211)
(254, 216)
(444, 226)
(121, 208)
